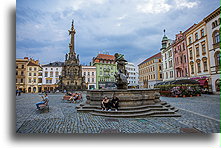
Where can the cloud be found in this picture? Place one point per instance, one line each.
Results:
(102, 25)
(163, 6)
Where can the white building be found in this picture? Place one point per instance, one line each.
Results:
(133, 75)
(167, 59)
(50, 76)
(213, 36)
(89, 72)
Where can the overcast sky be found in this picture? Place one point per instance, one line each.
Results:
(131, 27)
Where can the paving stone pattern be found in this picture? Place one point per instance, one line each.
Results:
(199, 115)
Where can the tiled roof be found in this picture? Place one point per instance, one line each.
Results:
(158, 55)
(105, 57)
(32, 64)
(54, 64)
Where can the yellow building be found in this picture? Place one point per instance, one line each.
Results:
(150, 71)
(198, 54)
(21, 70)
(33, 82)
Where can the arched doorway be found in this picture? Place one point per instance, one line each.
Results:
(34, 89)
(29, 89)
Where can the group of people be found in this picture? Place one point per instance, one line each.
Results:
(74, 97)
(18, 92)
(108, 104)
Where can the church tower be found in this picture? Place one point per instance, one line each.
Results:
(71, 78)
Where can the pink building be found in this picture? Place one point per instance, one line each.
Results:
(180, 57)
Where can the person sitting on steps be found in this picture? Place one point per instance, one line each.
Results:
(115, 102)
(106, 104)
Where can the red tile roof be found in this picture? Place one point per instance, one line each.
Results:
(105, 57)
(32, 64)
(158, 55)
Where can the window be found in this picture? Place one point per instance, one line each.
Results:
(100, 67)
(29, 74)
(217, 60)
(196, 36)
(205, 65)
(34, 80)
(30, 68)
(35, 69)
(22, 73)
(197, 51)
(165, 56)
(46, 74)
(202, 32)
(56, 74)
(88, 73)
(21, 80)
(191, 53)
(217, 38)
(92, 73)
(51, 74)
(29, 80)
(181, 59)
(16, 72)
(88, 79)
(190, 40)
(34, 74)
(51, 68)
(84, 73)
(198, 66)
(22, 66)
(16, 66)
(100, 72)
(184, 58)
(203, 48)
(92, 79)
(192, 69)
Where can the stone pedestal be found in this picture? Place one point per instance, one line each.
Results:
(127, 97)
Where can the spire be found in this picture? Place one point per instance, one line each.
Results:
(164, 32)
(72, 33)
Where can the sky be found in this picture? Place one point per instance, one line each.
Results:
(130, 27)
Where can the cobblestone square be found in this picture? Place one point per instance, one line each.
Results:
(199, 115)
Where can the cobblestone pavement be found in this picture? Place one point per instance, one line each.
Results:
(199, 115)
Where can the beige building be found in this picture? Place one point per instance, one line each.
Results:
(89, 73)
(33, 79)
(21, 70)
(150, 71)
(213, 35)
(198, 54)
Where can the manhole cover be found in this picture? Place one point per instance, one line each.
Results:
(190, 130)
(110, 131)
(111, 120)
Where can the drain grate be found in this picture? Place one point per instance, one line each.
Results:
(190, 130)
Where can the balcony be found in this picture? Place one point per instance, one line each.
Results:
(106, 75)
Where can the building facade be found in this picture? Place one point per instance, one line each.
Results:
(167, 59)
(150, 71)
(198, 54)
(89, 73)
(213, 35)
(133, 75)
(71, 78)
(105, 70)
(21, 74)
(50, 76)
(181, 69)
(32, 77)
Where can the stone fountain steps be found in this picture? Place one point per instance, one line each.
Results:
(135, 115)
(131, 111)
(157, 110)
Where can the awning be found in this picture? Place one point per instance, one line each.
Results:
(203, 82)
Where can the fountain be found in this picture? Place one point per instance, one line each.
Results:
(132, 102)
